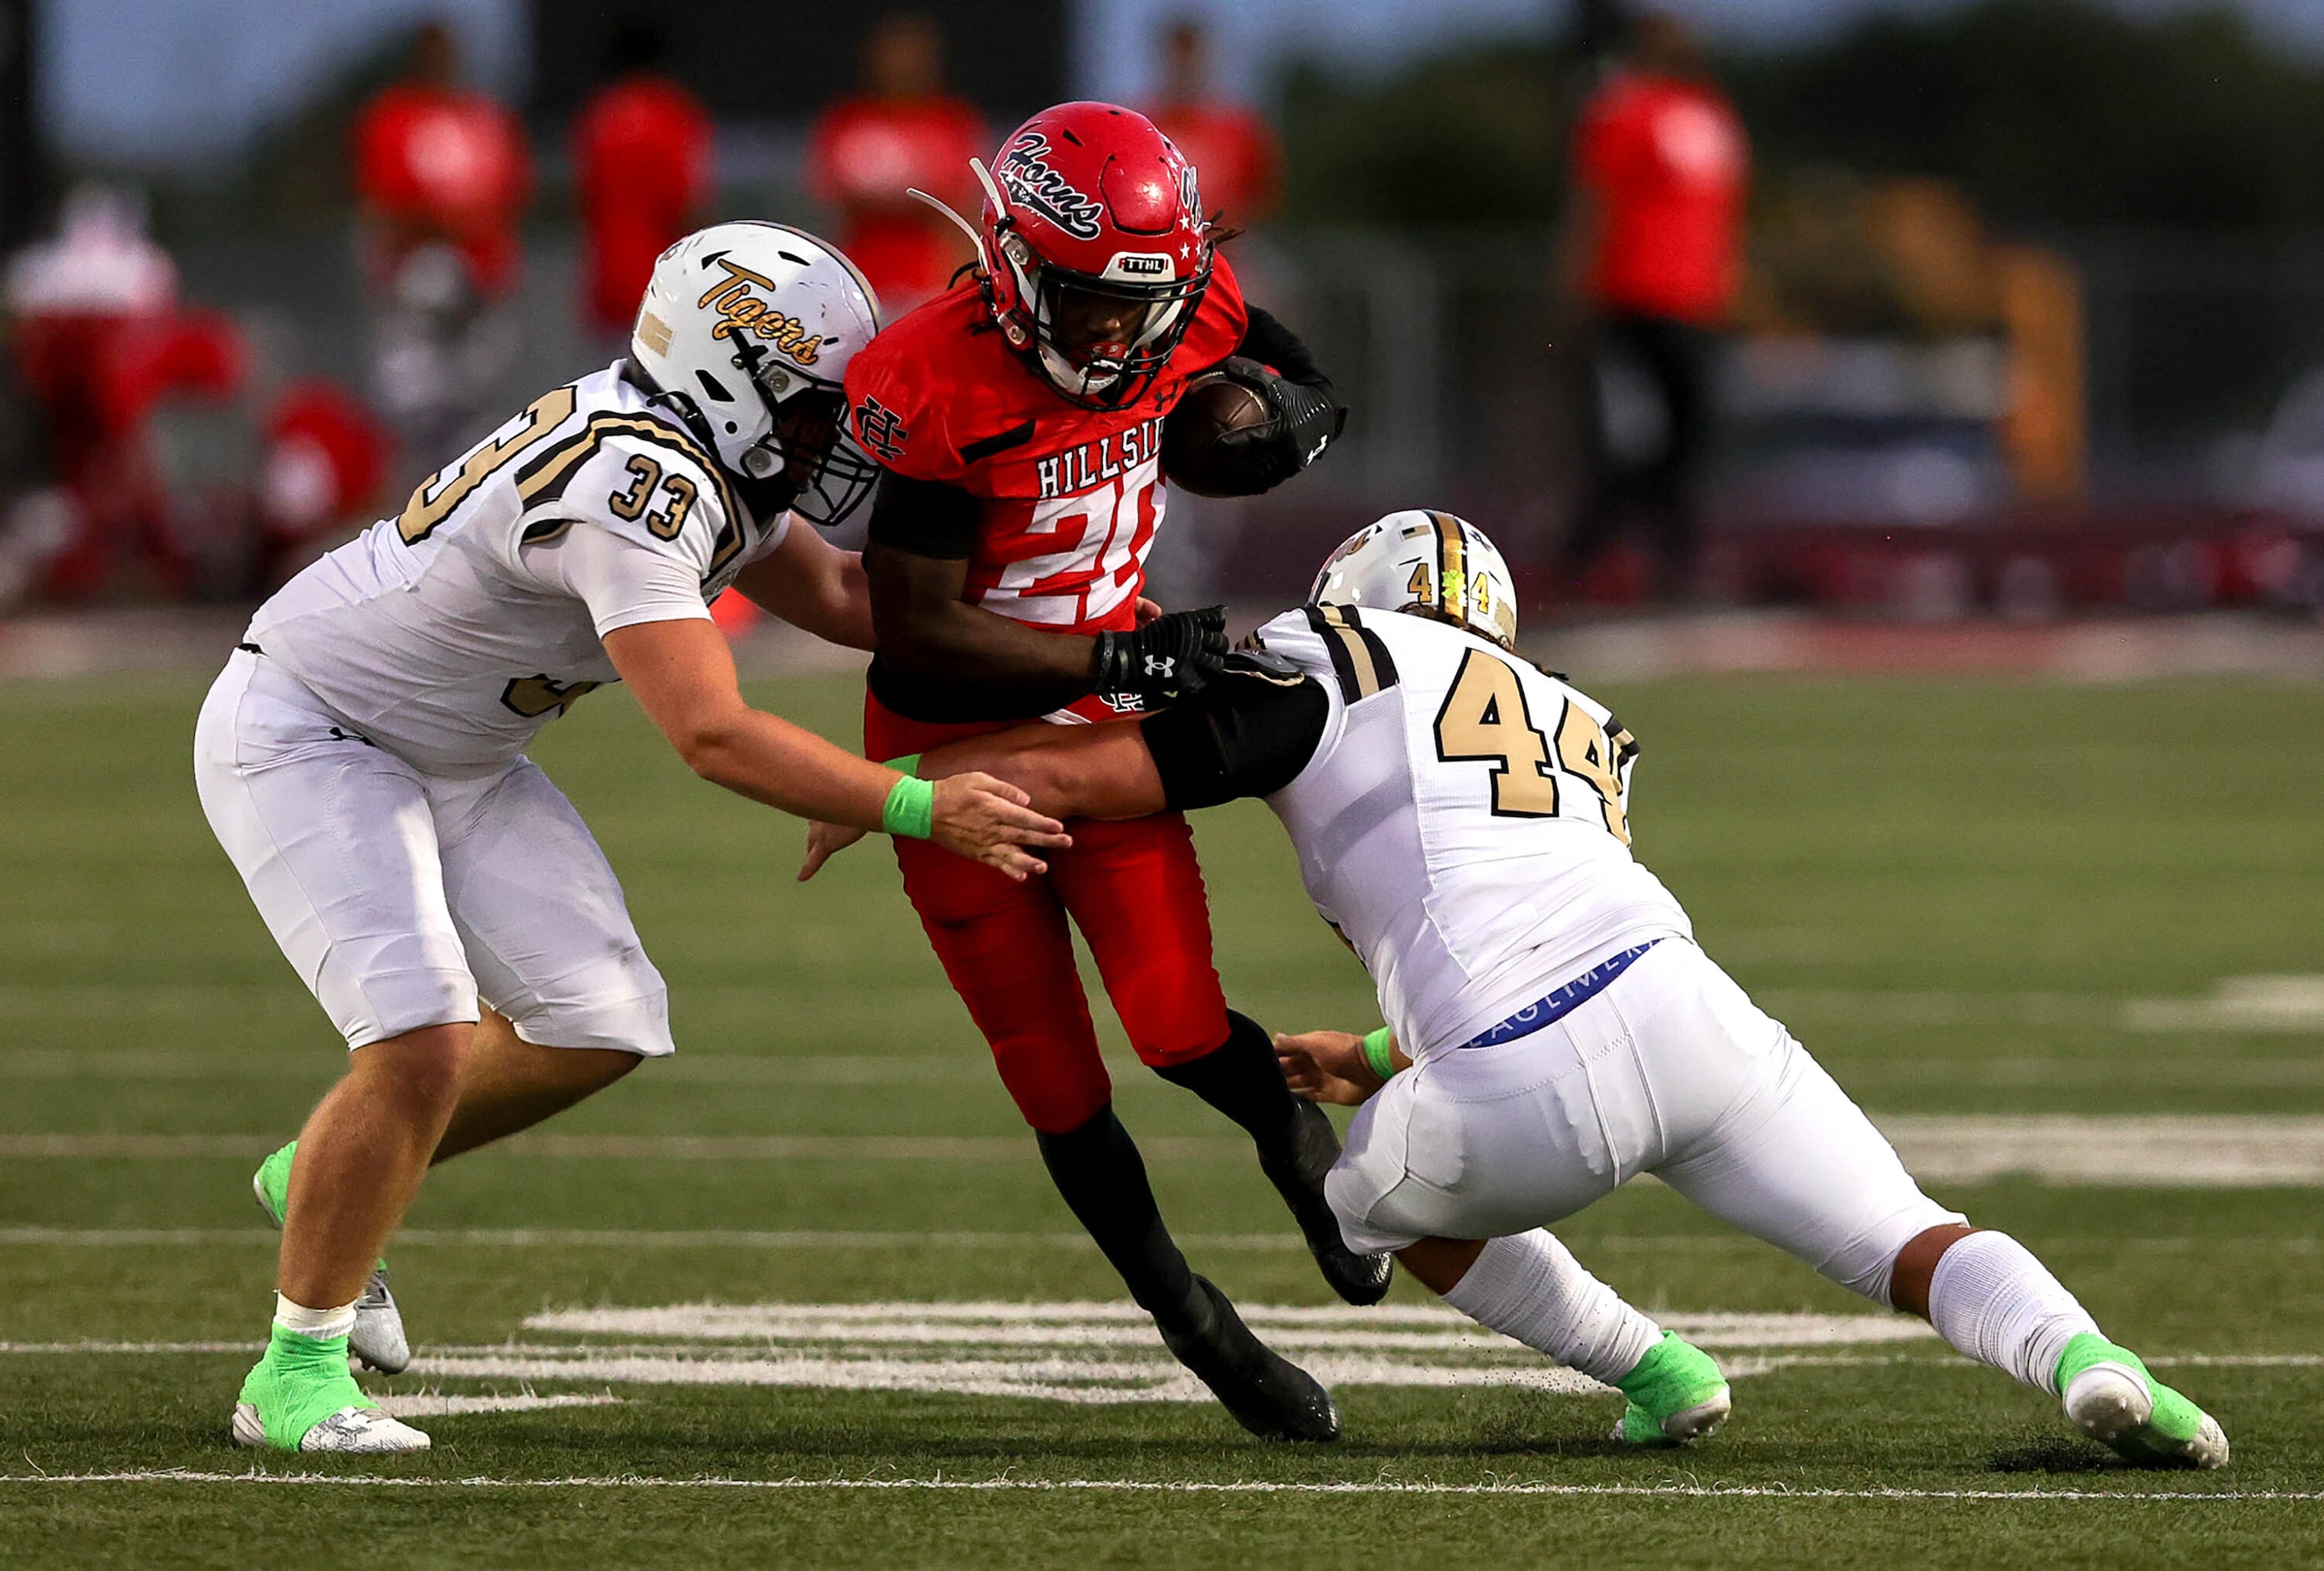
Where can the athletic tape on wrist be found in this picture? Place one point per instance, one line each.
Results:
(911, 810)
(1378, 1048)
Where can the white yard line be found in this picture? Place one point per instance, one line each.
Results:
(2169, 1150)
(1155, 1486)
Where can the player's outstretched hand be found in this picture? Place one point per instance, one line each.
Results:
(824, 842)
(1326, 1067)
(990, 821)
(1172, 657)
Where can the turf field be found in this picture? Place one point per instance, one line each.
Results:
(804, 1294)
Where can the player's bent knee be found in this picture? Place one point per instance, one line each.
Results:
(419, 1069)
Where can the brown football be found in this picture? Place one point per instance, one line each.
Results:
(1211, 406)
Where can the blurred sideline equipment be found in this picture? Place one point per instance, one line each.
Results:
(1660, 164)
(902, 131)
(641, 156)
(362, 760)
(1462, 819)
(443, 174)
(1007, 554)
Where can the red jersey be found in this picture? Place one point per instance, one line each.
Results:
(1667, 162)
(448, 163)
(641, 154)
(1237, 163)
(864, 153)
(1072, 496)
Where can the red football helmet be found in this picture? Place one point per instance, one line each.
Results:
(1094, 251)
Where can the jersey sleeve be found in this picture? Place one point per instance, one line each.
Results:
(638, 480)
(621, 581)
(896, 410)
(1247, 733)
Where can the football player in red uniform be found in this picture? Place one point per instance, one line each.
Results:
(1018, 418)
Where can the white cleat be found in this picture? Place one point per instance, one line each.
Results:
(352, 1430)
(2114, 1404)
(378, 1336)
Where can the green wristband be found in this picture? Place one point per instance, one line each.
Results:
(1378, 1048)
(911, 810)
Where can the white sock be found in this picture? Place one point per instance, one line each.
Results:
(1530, 1287)
(322, 1324)
(1993, 1301)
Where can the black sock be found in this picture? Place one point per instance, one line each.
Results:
(1097, 1168)
(1242, 1079)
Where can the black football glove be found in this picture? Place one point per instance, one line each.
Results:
(1302, 421)
(1170, 658)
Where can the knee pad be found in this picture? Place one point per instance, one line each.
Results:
(1056, 1087)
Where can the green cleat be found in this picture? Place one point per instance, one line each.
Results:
(2110, 1397)
(301, 1398)
(1676, 1394)
(378, 1338)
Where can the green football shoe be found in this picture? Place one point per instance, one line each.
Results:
(301, 1398)
(2109, 1395)
(378, 1338)
(1676, 1394)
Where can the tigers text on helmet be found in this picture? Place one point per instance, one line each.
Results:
(1093, 252)
(745, 331)
(1429, 563)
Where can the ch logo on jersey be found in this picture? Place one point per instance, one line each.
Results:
(881, 428)
(1025, 174)
(740, 311)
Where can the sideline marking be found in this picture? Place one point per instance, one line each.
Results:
(1155, 1486)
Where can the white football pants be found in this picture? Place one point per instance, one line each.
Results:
(1669, 1070)
(401, 897)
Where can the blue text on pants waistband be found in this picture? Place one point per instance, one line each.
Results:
(1542, 1012)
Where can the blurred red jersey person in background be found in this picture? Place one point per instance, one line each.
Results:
(442, 174)
(902, 131)
(1661, 168)
(643, 159)
(438, 163)
(1234, 150)
(101, 341)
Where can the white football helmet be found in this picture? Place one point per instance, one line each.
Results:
(1429, 563)
(745, 331)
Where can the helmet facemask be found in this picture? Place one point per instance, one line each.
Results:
(805, 461)
(1100, 341)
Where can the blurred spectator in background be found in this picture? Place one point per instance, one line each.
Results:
(100, 341)
(322, 463)
(1660, 168)
(442, 173)
(641, 155)
(1234, 152)
(902, 131)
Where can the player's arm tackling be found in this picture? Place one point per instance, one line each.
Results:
(815, 586)
(684, 680)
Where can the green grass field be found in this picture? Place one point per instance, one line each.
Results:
(1958, 896)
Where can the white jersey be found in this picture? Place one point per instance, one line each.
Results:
(450, 633)
(1463, 822)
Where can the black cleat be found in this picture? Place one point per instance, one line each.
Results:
(1266, 1393)
(1358, 1278)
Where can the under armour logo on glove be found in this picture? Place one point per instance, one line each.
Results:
(1170, 658)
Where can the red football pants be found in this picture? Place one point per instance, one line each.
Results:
(1133, 888)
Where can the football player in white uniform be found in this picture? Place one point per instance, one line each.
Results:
(1462, 821)
(362, 760)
